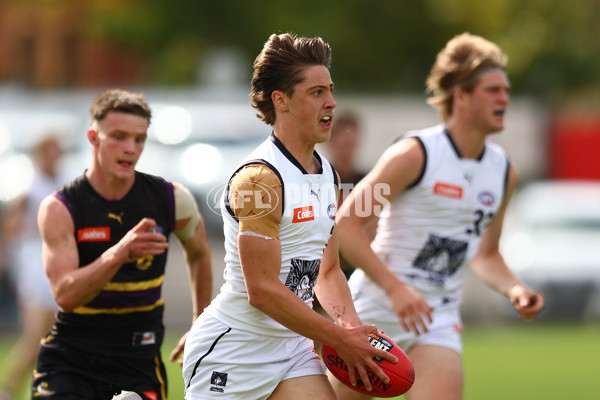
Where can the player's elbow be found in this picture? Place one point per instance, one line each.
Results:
(66, 301)
(257, 298)
(65, 304)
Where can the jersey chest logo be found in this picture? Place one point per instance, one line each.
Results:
(117, 217)
(303, 214)
(94, 234)
(448, 190)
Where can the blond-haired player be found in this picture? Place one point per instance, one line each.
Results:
(447, 191)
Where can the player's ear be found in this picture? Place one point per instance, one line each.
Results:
(280, 100)
(92, 136)
(458, 95)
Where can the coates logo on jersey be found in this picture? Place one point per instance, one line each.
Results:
(448, 190)
(486, 198)
(303, 214)
(95, 234)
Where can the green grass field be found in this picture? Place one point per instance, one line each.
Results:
(516, 361)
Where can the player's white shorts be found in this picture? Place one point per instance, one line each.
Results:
(220, 362)
(444, 330)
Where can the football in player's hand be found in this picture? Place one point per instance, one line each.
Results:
(401, 374)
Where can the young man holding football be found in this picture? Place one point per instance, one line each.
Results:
(105, 239)
(255, 340)
(448, 192)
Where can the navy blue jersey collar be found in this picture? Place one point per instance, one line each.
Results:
(456, 149)
(290, 157)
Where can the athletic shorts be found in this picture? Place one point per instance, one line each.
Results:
(220, 362)
(444, 330)
(67, 373)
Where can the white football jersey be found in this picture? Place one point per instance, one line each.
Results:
(308, 217)
(432, 230)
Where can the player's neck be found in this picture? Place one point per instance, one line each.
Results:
(468, 141)
(108, 186)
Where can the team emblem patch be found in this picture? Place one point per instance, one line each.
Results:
(331, 210)
(218, 380)
(303, 277)
(486, 198)
(157, 229)
(439, 259)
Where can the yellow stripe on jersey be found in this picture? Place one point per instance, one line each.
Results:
(127, 310)
(134, 286)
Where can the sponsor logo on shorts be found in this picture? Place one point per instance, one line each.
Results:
(448, 190)
(95, 234)
(218, 380)
(151, 395)
(144, 338)
(303, 214)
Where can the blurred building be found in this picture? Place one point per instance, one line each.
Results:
(573, 146)
(50, 44)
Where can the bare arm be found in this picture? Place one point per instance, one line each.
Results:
(489, 264)
(332, 287)
(261, 262)
(397, 168)
(73, 286)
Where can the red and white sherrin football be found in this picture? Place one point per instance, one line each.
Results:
(401, 374)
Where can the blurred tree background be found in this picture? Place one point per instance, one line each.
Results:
(379, 45)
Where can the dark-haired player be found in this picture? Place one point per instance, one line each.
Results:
(255, 341)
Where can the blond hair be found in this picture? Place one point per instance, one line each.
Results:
(460, 63)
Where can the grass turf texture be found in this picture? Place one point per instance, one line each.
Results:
(533, 361)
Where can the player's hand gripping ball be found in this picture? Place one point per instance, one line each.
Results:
(401, 374)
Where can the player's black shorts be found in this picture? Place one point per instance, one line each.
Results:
(67, 373)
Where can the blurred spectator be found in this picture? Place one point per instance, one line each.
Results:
(342, 146)
(23, 243)
(8, 313)
(341, 149)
